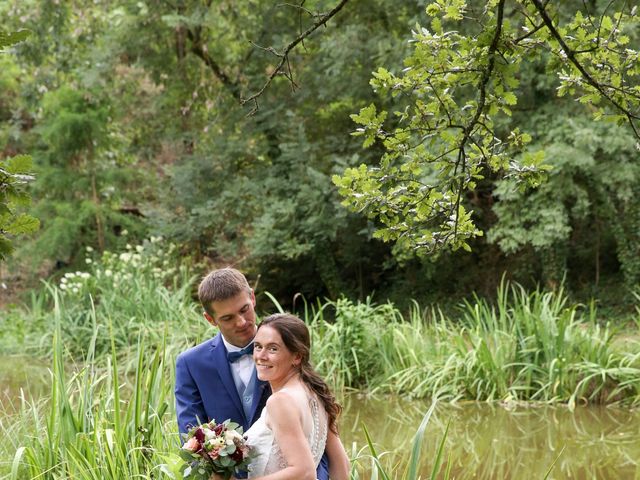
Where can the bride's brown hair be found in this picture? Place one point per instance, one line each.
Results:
(296, 338)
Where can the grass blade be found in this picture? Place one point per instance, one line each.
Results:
(553, 464)
(414, 461)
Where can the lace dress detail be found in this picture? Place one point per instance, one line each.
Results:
(268, 455)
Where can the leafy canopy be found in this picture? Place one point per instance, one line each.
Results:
(455, 95)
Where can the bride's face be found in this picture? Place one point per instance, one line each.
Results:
(274, 362)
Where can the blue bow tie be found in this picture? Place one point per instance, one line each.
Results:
(235, 356)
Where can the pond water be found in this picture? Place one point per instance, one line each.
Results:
(485, 441)
(489, 441)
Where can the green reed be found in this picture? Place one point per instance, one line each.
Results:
(113, 345)
(134, 293)
(112, 417)
(525, 346)
(101, 421)
(522, 346)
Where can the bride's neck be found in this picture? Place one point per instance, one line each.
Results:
(292, 378)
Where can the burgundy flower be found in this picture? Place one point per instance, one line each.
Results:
(237, 455)
(199, 434)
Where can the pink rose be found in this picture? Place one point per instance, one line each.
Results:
(214, 453)
(192, 445)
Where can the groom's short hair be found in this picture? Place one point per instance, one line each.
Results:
(221, 284)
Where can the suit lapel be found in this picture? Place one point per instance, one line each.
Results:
(219, 353)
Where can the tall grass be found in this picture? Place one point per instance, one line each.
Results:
(100, 422)
(104, 420)
(522, 346)
(112, 334)
(525, 346)
(137, 292)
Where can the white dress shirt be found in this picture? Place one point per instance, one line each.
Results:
(241, 369)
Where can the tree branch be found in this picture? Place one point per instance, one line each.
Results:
(571, 55)
(198, 49)
(482, 86)
(284, 56)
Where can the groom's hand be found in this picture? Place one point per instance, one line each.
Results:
(215, 476)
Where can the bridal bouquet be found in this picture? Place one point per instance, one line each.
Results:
(214, 448)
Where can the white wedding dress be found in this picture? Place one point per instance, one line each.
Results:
(268, 456)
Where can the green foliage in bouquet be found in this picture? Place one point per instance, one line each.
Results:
(214, 448)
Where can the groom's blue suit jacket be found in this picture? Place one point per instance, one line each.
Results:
(205, 389)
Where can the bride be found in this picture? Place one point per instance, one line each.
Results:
(298, 423)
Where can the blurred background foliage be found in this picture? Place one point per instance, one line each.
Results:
(131, 111)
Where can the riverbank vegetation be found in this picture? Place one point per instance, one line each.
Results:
(112, 332)
(526, 345)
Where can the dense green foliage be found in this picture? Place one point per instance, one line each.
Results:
(134, 115)
(454, 101)
(14, 175)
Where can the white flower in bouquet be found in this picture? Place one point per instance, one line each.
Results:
(230, 436)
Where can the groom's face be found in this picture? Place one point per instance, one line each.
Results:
(235, 317)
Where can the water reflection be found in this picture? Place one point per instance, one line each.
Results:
(493, 442)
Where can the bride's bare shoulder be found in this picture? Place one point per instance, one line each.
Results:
(285, 402)
(286, 396)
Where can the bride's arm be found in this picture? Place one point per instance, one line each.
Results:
(285, 421)
(338, 461)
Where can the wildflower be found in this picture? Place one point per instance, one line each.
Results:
(139, 248)
(108, 273)
(88, 261)
(89, 249)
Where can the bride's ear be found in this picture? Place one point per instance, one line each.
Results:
(297, 360)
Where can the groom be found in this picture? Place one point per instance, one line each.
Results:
(217, 380)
